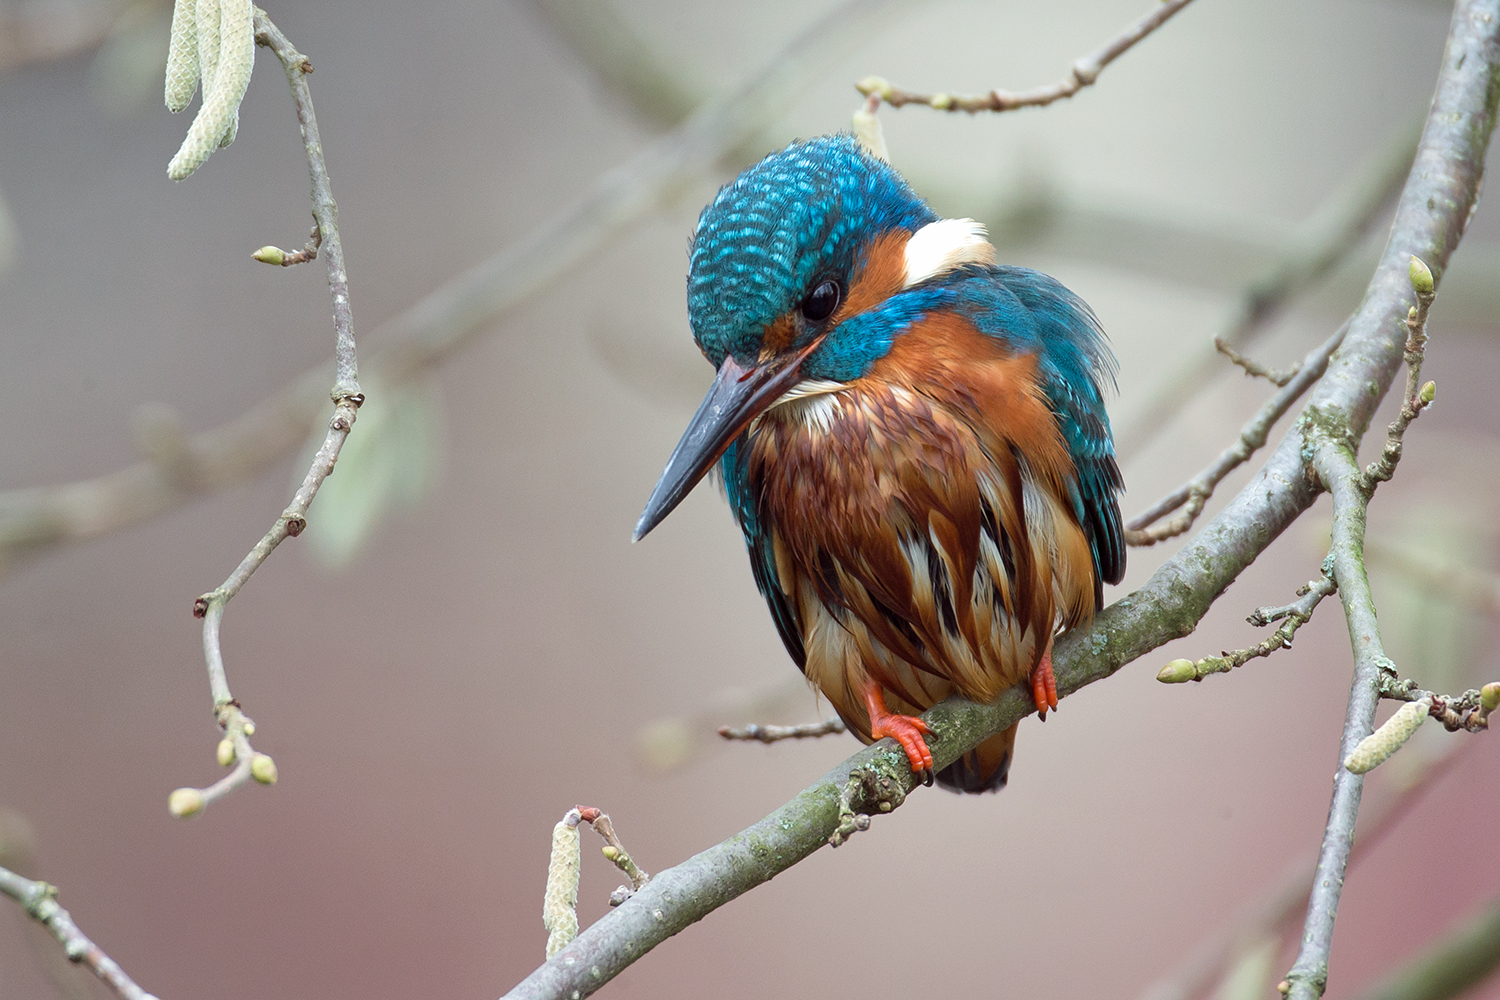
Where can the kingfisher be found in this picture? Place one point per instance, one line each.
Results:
(911, 436)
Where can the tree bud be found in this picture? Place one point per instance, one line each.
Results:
(185, 802)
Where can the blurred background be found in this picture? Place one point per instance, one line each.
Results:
(465, 643)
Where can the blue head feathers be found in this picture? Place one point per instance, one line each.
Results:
(768, 238)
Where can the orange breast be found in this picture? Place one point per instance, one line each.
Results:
(920, 523)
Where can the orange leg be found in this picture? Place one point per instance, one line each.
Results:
(906, 730)
(1044, 685)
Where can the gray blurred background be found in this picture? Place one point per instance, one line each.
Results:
(468, 644)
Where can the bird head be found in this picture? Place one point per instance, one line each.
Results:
(801, 273)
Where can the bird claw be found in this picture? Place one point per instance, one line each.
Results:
(1044, 686)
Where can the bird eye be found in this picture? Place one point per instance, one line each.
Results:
(822, 302)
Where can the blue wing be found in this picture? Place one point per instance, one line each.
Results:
(1036, 312)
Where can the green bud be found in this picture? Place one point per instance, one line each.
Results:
(263, 769)
(1178, 672)
(249, 728)
(226, 753)
(277, 256)
(941, 102)
(875, 85)
(1428, 392)
(185, 802)
(1421, 277)
(1411, 314)
(1489, 696)
(610, 852)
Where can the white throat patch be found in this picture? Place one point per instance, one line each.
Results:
(941, 246)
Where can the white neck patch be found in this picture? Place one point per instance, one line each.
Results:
(941, 246)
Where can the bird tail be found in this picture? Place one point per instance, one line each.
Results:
(982, 769)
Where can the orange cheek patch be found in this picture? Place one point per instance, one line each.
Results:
(883, 275)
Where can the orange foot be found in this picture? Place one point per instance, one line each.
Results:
(906, 730)
(1044, 685)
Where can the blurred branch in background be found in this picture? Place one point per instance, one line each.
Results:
(1464, 584)
(180, 468)
(51, 29)
(1463, 957)
(235, 748)
(1333, 232)
(1084, 72)
(1272, 914)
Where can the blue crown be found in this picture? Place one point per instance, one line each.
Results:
(795, 216)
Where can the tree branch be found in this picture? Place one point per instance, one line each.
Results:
(1193, 494)
(1169, 605)
(1083, 73)
(40, 902)
(1449, 165)
(347, 397)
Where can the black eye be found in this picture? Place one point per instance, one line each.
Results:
(822, 302)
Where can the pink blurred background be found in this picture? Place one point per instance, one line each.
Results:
(489, 657)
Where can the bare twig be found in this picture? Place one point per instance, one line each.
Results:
(1468, 711)
(40, 902)
(1296, 615)
(1193, 494)
(286, 258)
(1253, 368)
(347, 397)
(1429, 221)
(616, 853)
(1082, 74)
(773, 734)
(1417, 396)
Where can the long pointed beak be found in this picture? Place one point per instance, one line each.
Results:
(737, 397)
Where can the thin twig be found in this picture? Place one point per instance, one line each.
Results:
(40, 902)
(616, 853)
(1296, 615)
(1193, 494)
(773, 734)
(1417, 396)
(1253, 368)
(1469, 711)
(1083, 73)
(347, 397)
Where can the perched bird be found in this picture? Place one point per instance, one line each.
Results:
(911, 436)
